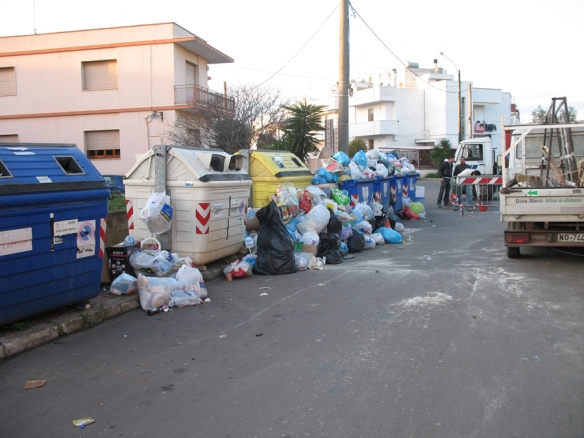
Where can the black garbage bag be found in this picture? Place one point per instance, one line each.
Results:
(335, 225)
(380, 221)
(329, 247)
(275, 246)
(356, 242)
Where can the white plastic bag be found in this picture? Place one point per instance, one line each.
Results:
(365, 211)
(381, 170)
(157, 214)
(310, 238)
(316, 220)
(369, 242)
(155, 292)
(124, 284)
(399, 227)
(378, 238)
(356, 172)
(301, 262)
(364, 227)
(318, 194)
(181, 298)
(316, 263)
(407, 202)
(193, 280)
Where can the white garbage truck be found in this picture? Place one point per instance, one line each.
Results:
(542, 197)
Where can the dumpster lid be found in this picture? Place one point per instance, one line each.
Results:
(34, 167)
(279, 163)
(191, 164)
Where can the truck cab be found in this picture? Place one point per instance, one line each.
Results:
(480, 154)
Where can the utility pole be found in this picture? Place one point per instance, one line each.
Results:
(459, 100)
(343, 90)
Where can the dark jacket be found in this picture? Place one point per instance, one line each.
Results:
(459, 168)
(445, 170)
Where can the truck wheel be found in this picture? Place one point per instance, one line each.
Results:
(513, 252)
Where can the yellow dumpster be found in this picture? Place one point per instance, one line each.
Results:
(268, 169)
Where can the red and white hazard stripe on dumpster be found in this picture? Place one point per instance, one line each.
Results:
(102, 229)
(354, 199)
(498, 180)
(393, 191)
(130, 214)
(405, 191)
(202, 217)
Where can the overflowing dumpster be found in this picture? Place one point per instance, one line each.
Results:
(269, 169)
(209, 191)
(53, 210)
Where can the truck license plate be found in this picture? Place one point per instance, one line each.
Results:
(572, 237)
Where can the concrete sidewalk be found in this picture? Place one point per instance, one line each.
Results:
(49, 326)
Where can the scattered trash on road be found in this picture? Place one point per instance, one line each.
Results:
(82, 422)
(32, 384)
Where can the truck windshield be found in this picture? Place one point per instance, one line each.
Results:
(472, 152)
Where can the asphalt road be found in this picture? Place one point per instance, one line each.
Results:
(442, 336)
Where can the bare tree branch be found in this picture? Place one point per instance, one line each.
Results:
(256, 116)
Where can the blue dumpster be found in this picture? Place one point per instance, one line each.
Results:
(382, 190)
(409, 185)
(396, 187)
(53, 207)
(360, 190)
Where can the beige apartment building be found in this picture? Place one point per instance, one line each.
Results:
(113, 92)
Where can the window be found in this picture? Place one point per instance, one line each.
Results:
(370, 144)
(7, 81)
(473, 152)
(100, 75)
(370, 115)
(9, 138)
(192, 74)
(102, 144)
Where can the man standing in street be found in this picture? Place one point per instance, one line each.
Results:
(445, 173)
(464, 169)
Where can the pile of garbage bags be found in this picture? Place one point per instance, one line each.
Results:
(309, 228)
(364, 165)
(165, 279)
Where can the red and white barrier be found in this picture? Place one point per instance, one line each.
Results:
(480, 180)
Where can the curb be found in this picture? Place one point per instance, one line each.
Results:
(53, 325)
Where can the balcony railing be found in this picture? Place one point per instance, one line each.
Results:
(202, 98)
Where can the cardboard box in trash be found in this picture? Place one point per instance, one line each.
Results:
(312, 249)
(119, 259)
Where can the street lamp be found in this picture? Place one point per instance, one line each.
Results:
(459, 100)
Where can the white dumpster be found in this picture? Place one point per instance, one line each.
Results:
(208, 192)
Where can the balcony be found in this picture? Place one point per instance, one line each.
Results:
(373, 129)
(199, 98)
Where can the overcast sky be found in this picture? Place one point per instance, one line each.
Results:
(530, 48)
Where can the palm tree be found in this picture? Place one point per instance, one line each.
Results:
(300, 128)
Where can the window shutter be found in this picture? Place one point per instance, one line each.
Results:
(191, 77)
(7, 82)
(100, 75)
(9, 138)
(95, 140)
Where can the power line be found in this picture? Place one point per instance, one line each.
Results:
(302, 48)
(394, 55)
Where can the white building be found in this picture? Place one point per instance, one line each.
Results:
(419, 107)
(112, 92)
